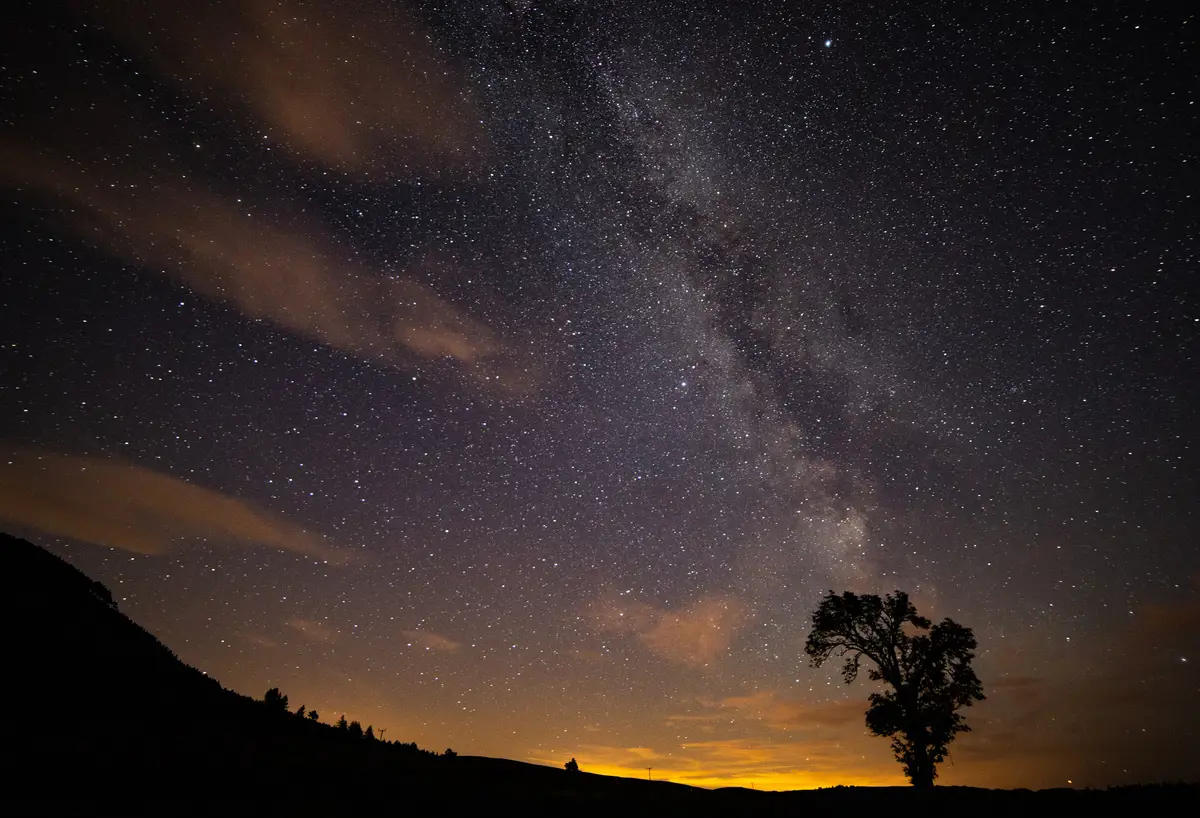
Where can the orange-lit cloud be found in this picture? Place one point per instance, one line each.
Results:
(1168, 623)
(354, 86)
(1037, 728)
(694, 636)
(1041, 730)
(122, 505)
(432, 641)
(788, 713)
(260, 641)
(313, 629)
(153, 214)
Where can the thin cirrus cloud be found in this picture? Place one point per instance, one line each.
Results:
(782, 712)
(313, 630)
(818, 732)
(153, 214)
(121, 505)
(360, 90)
(1136, 675)
(696, 635)
(357, 87)
(432, 641)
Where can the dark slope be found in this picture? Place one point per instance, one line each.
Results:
(103, 719)
(109, 719)
(113, 717)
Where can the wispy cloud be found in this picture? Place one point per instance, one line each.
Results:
(313, 629)
(432, 641)
(695, 635)
(260, 641)
(122, 505)
(357, 87)
(1044, 729)
(153, 214)
(784, 712)
(1176, 623)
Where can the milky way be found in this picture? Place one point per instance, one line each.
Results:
(518, 377)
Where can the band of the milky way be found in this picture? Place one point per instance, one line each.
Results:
(519, 376)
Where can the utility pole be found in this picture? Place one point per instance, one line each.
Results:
(382, 730)
(649, 777)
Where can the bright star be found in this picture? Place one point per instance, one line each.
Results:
(828, 43)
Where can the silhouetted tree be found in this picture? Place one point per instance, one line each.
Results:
(101, 592)
(929, 672)
(356, 730)
(572, 766)
(300, 712)
(370, 734)
(276, 700)
(342, 724)
(450, 753)
(313, 715)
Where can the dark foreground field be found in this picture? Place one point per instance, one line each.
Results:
(102, 719)
(485, 786)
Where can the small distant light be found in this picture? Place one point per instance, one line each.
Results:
(828, 43)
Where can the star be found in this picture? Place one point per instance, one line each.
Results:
(595, 349)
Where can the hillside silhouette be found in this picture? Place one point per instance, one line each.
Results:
(105, 719)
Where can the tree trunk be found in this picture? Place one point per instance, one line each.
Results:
(922, 766)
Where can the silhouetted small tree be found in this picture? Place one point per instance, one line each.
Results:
(450, 753)
(370, 734)
(276, 700)
(356, 730)
(300, 712)
(342, 724)
(572, 766)
(929, 673)
(101, 592)
(313, 715)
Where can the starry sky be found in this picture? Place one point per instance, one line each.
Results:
(517, 376)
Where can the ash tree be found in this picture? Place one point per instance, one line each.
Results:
(927, 668)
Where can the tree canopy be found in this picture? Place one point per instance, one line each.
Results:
(927, 667)
(276, 700)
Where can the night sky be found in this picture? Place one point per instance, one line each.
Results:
(517, 376)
